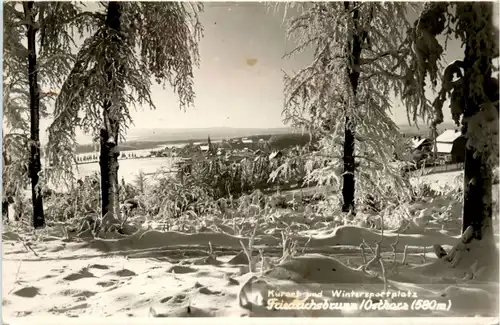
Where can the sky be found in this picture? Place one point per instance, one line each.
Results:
(229, 91)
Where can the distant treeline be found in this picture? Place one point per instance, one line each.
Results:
(126, 146)
(424, 130)
(276, 142)
(283, 141)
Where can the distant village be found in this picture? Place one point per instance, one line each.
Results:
(228, 148)
(219, 148)
(448, 148)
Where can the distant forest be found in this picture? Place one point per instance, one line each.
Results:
(424, 130)
(129, 145)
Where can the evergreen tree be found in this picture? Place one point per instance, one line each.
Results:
(473, 94)
(343, 97)
(47, 29)
(131, 42)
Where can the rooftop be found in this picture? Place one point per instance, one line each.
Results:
(448, 136)
(416, 142)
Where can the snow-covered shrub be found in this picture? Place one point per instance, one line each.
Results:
(81, 200)
(169, 198)
(421, 190)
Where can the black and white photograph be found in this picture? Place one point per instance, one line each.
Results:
(250, 159)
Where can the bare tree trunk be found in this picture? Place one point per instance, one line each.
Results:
(109, 154)
(35, 165)
(348, 188)
(108, 162)
(477, 210)
(5, 194)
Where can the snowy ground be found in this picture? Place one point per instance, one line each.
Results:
(440, 180)
(173, 274)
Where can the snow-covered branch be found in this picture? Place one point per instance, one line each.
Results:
(372, 59)
(155, 39)
(320, 93)
(97, 16)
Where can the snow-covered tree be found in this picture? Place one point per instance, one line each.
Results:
(344, 96)
(473, 93)
(37, 38)
(132, 41)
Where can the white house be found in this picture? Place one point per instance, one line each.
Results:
(445, 144)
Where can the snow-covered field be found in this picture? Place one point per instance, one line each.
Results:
(130, 168)
(205, 272)
(454, 179)
(440, 180)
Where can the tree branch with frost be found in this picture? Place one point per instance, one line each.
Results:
(171, 58)
(96, 17)
(313, 96)
(158, 39)
(16, 100)
(378, 56)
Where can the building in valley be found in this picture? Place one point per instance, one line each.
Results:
(451, 146)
